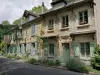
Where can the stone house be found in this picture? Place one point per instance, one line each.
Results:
(69, 29)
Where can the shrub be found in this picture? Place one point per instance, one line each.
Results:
(10, 56)
(48, 62)
(43, 61)
(95, 62)
(17, 57)
(31, 60)
(77, 66)
(51, 63)
(57, 63)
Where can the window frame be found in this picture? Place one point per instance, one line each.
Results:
(83, 18)
(51, 24)
(65, 21)
(51, 52)
(85, 49)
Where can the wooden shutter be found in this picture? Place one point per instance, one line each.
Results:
(92, 48)
(36, 48)
(76, 49)
(46, 47)
(55, 50)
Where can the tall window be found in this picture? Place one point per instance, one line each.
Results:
(33, 29)
(51, 49)
(83, 17)
(65, 22)
(85, 49)
(51, 24)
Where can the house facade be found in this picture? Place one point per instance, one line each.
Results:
(69, 29)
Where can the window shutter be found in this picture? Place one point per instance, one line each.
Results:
(92, 48)
(55, 50)
(46, 48)
(76, 49)
(36, 48)
(18, 48)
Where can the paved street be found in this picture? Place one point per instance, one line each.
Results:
(10, 67)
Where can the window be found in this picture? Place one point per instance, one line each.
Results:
(50, 25)
(65, 21)
(66, 46)
(25, 47)
(85, 49)
(33, 29)
(83, 17)
(51, 49)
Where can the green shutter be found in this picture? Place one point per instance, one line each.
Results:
(76, 49)
(55, 50)
(46, 47)
(92, 48)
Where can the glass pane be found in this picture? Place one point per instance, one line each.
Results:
(82, 49)
(66, 46)
(66, 21)
(50, 25)
(81, 17)
(63, 21)
(86, 17)
(87, 49)
(51, 49)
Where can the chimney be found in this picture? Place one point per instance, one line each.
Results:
(42, 7)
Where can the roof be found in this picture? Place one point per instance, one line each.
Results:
(27, 13)
(58, 1)
(68, 5)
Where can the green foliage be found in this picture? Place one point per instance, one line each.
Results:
(12, 56)
(38, 9)
(77, 66)
(43, 62)
(51, 63)
(5, 23)
(2, 43)
(95, 62)
(18, 21)
(39, 39)
(57, 63)
(31, 60)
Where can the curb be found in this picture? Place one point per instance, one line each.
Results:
(92, 73)
(59, 67)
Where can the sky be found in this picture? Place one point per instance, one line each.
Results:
(13, 9)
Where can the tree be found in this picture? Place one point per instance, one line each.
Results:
(95, 62)
(17, 22)
(38, 9)
(5, 23)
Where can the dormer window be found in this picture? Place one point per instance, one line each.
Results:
(83, 17)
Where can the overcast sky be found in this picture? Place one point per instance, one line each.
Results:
(13, 9)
